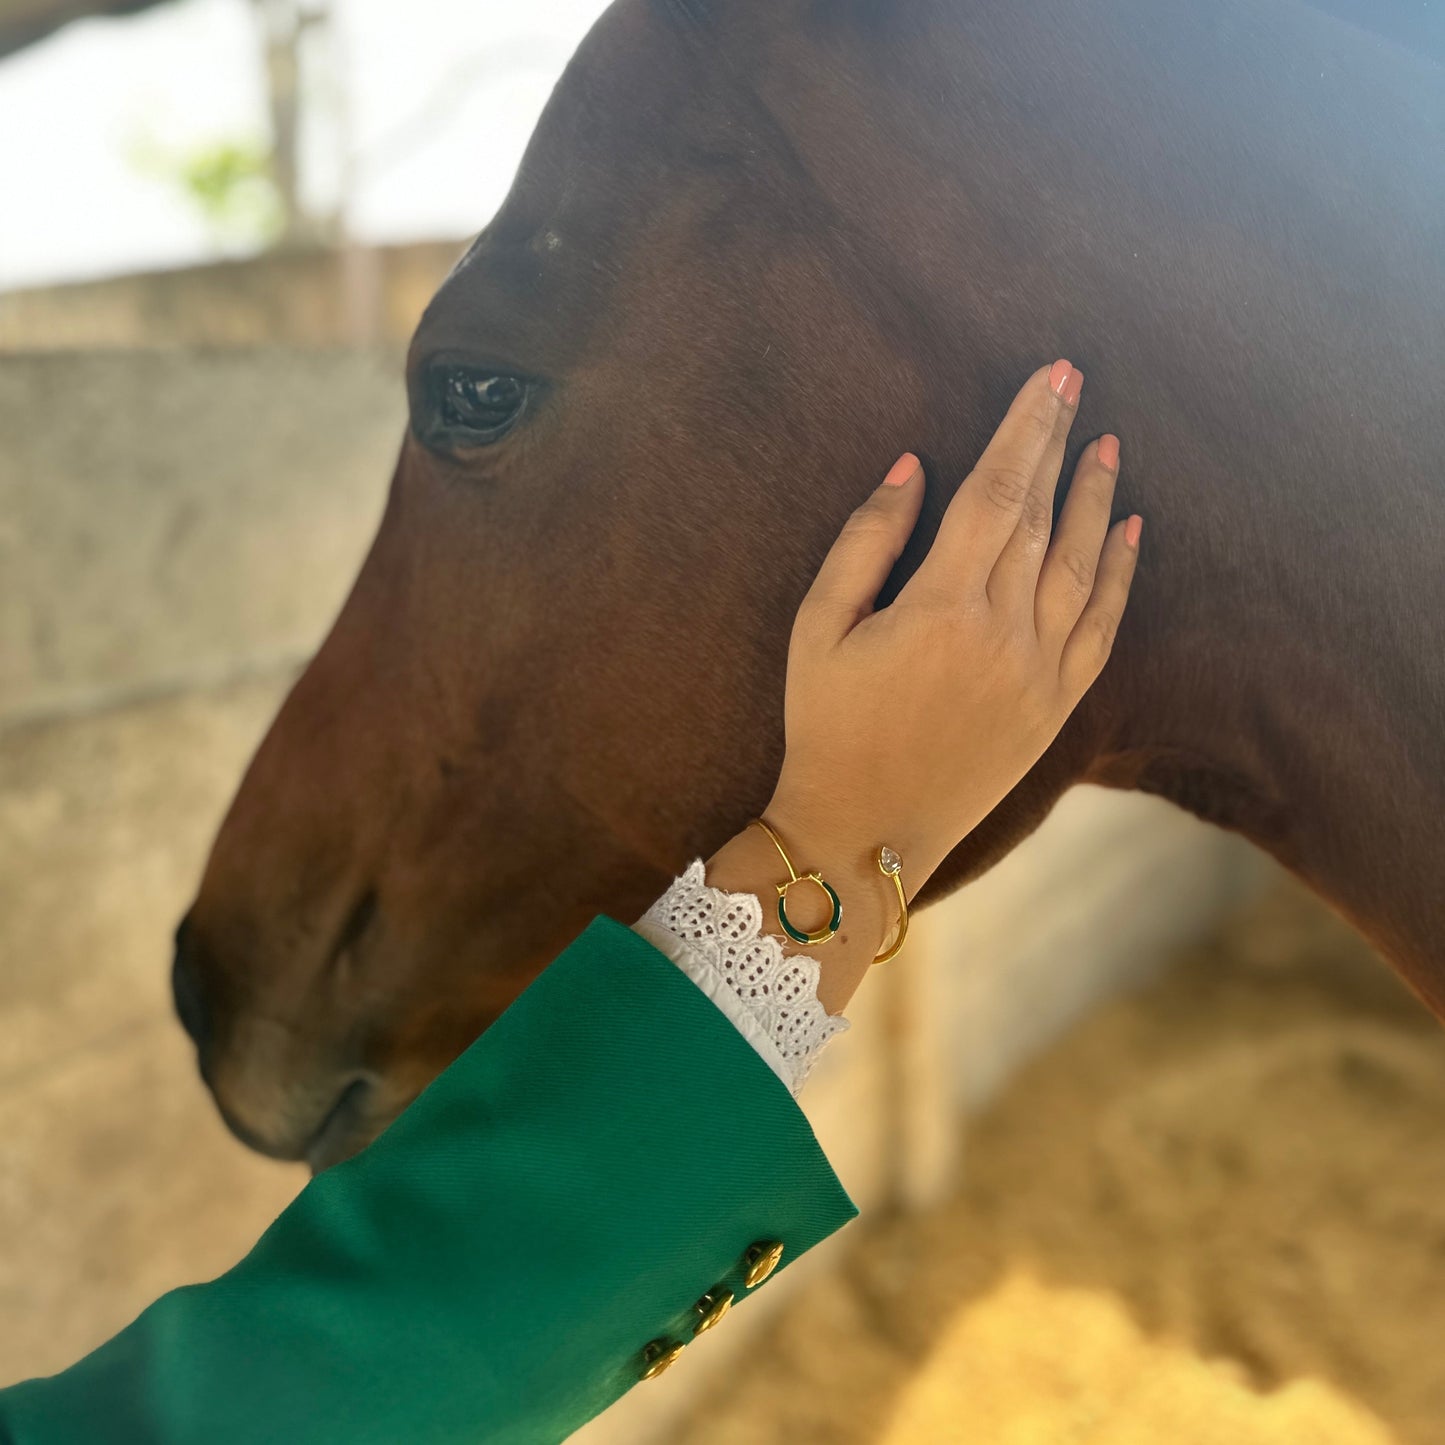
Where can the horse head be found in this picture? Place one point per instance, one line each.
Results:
(756, 250)
(640, 407)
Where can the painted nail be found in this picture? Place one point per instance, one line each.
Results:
(1132, 528)
(1109, 450)
(1075, 386)
(904, 470)
(1059, 376)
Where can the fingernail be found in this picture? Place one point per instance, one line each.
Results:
(1071, 392)
(1059, 376)
(904, 470)
(1132, 528)
(1109, 450)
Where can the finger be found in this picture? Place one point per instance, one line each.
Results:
(865, 552)
(985, 510)
(1092, 639)
(1015, 576)
(1066, 579)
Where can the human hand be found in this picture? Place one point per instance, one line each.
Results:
(908, 725)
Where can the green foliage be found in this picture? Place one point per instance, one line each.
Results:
(230, 182)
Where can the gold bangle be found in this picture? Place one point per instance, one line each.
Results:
(889, 864)
(821, 935)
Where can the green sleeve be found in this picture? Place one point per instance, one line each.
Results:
(491, 1267)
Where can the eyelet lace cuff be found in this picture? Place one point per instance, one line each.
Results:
(716, 938)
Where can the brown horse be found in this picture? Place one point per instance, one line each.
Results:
(758, 248)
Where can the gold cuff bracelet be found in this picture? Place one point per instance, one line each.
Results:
(889, 864)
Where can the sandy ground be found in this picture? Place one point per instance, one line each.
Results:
(1214, 1213)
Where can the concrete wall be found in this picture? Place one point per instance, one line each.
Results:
(355, 296)
(172, 520)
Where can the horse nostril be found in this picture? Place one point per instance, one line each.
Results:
(190, 999)
(360, 919)
(342, 1131)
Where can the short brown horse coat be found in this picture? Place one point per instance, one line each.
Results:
(755, 251)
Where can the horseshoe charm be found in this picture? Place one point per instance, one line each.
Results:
(821, 935)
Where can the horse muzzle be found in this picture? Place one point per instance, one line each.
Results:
(277, 1090)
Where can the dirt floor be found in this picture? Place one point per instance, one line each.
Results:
(1214, 1213)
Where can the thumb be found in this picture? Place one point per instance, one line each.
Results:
(872, 539)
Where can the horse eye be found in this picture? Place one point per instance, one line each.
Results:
(471, 406)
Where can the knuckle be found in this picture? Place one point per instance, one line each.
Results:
(869, 522)
(948, 631)
(942, 622)
(1041, 419)
(1038, 516)
(807, 618)
(1007, 484)
(1078, 567)
(1075, 680)
(1039, 718)
(1106, 628)
(1095, 488)
(952, 611)
(998, 652)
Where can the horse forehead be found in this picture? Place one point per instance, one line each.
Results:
(657, 74)
(659, 103)
(646, 102)
(593, 150)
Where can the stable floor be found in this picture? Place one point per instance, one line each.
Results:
(1214, 1212)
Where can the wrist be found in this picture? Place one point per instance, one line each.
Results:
(835, 829)
(847, 861)
(751, 863)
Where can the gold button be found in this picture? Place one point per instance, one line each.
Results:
(659, 1355)
(712, 1307)
(761, 1260)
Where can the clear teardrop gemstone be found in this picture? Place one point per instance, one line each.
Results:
(891, 862)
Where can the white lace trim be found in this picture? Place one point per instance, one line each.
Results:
(716, 938)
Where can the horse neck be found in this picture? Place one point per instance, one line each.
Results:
(1231, 218)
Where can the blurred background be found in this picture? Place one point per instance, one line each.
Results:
(1149, 1147)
